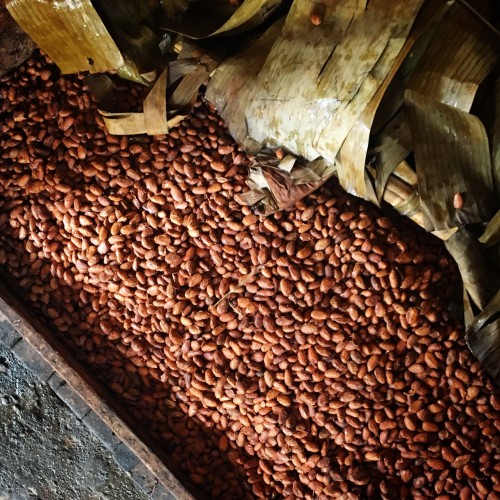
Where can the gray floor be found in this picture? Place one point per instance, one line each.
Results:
(45, 452)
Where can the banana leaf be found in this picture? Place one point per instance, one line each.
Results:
(352, 155)
(483, 337)
(388, 154)
(99, 36)
(184, 96)
(452, 157)
(134, 27)
(485, 345)
(481, 277)
(232, 82)
(276, 184)
(486, 314)
(495, 141)
(423, 31)
(468, 311)
(318, 79)
(157, 117)
(491, 235)
(205, 19)
(71, 33)
(462, 52)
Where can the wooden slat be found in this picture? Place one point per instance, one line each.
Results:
(99, 399)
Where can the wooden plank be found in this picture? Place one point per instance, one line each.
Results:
(96, 396)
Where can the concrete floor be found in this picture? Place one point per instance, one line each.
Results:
(46, 453)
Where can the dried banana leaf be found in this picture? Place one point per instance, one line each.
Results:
(463, 52)
(402, 196)
(71, 33)
(252, 197)
(485, 345)
(352, 155)
(486, 314)
(468, 311)
(389, 153)
(452, 156)
(184, 96)
(232, 82)
(284, 189)
(276, 184)
(205, 19)
(154, 120)
(404, 172)
(495, 141)
(491, 235)
(481, 278)
(181, 67)
(317, 80)
(423, 30)
(483, 337)
(134, 27)
(155, 116)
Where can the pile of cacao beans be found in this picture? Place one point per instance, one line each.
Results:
(309, 354)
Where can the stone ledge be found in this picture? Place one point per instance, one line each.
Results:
(69, 396)
(33, 360)
(8, 335)
(143, 477)
(125, 457)
(107, 437)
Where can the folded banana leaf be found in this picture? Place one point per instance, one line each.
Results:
(318, 79)
(134, 27)
(422, 33)
(389, 151)
(99, 36)
(481, 277)
(486, 314)
(453, 162)
(232, 82)
(352, 155)
(71, 33)
(495, 141)
(462, 51)
(278, 183)
(205, 19)
(483, 337)
(462, 54)
(157, 116)
(491, 235)
(485, 345)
